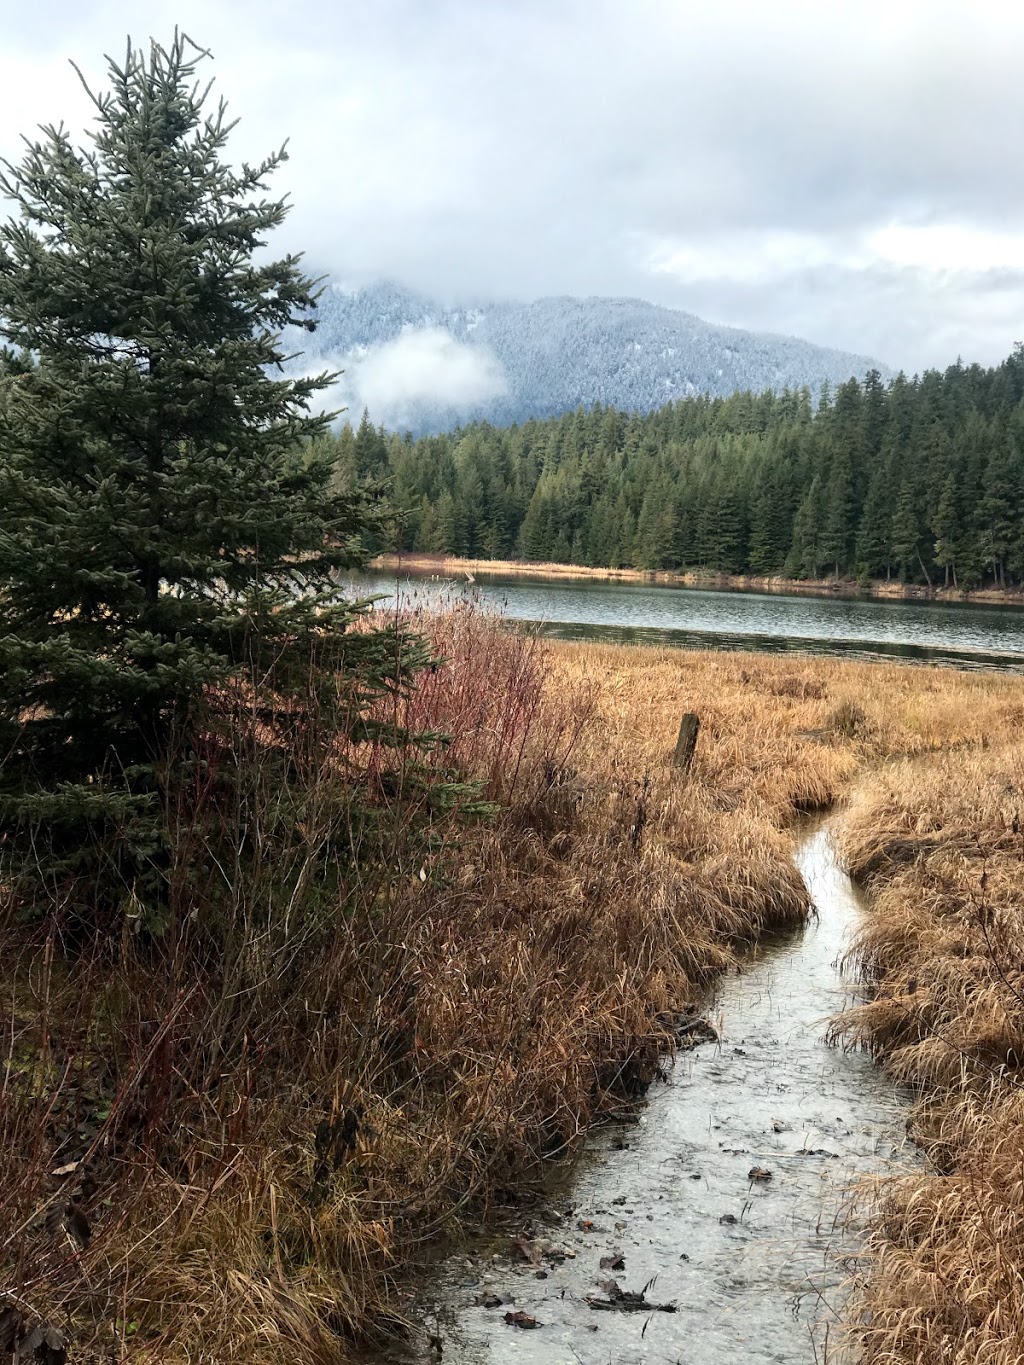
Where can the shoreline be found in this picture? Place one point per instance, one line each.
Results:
(421, 564)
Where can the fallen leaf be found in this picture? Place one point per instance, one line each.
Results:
(521, 1319)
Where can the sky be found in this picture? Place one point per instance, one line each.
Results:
(844, 170)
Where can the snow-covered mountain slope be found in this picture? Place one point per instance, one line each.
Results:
(417, 364)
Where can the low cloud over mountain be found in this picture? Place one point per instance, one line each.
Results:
(417, 364)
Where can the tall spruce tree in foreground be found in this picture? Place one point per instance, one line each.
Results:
(165, 527)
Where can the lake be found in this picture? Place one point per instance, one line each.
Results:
(955, 634)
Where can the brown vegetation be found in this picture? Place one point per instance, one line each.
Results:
(942, 845)
(231, 1155)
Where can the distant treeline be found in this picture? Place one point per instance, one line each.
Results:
(921, 480)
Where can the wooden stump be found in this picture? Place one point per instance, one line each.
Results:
(686, 744)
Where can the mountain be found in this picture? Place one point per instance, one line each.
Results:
(417, 364)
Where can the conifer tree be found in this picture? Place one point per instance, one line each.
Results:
(906, 533)
(371, 450)
(874, 531)
(805, 555)
(836, 531)
(945, 528)
(997, 512)
(768, 529)
(655, 543)
(873, 417)
(167, 527)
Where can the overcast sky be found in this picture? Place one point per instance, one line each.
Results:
(843, 170)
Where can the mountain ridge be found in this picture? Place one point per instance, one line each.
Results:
(419, 364)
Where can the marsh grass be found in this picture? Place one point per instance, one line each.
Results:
(942, 847)
(226, 1142)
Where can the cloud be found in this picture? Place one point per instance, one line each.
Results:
(833, 170)
(748, 257)
(948, 246)
(922, 293)
(422, 370)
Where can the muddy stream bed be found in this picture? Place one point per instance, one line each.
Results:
(711, 1232)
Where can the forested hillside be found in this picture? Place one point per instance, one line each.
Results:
(428, 367)
(920, 479)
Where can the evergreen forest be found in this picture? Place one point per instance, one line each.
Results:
(919, 480)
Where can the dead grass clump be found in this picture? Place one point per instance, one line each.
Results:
(800, 686)
(847, 719)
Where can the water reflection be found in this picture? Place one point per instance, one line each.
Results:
(964, 635)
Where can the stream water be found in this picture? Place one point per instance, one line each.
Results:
(751, 1269)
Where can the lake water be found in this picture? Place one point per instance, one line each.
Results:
(963, 635)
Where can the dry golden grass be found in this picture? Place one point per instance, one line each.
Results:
(942, 845)
(421, 1058)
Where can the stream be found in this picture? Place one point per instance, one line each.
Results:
(733, 1268)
